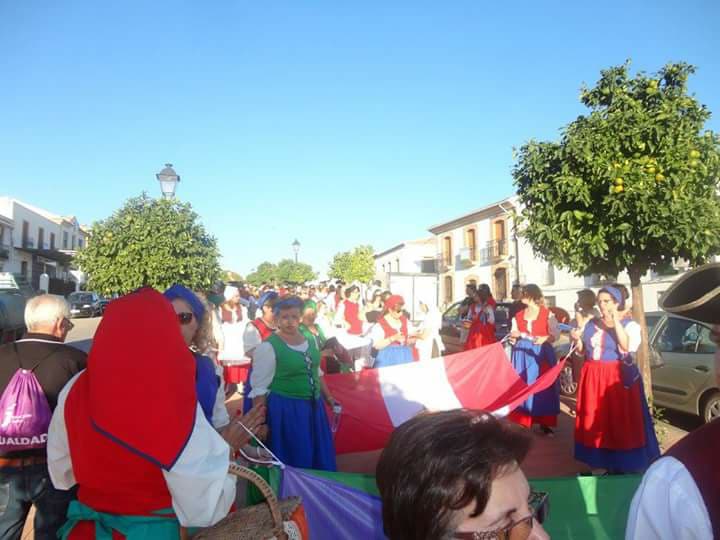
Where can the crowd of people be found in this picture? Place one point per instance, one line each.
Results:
(126, 453)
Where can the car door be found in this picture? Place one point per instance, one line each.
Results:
(451, 331)
(687, 370)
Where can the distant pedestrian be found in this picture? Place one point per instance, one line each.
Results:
(24, 477)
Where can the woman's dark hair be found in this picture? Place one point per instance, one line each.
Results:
(385, 295)
(533, 292)
(623, 290)
(331, 288)
(375, 296)
(351, 290)
(587, 298)
(438, 463)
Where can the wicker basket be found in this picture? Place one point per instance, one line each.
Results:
(260, 522)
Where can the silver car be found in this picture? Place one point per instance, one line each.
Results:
(685, 379)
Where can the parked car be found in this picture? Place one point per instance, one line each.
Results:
(454, 332)
(685, 377)
(14, 293)
(85, 304)
(104, 302)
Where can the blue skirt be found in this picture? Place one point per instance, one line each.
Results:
(393, 355)
(300, 433)
(529, 361)
(636, 460)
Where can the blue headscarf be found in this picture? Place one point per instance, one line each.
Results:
(266, 297)
(289, 302)
(179, 291)
(616, 294)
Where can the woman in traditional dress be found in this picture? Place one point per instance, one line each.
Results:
(330, 349)
(534, 330)
(234, 319)
(196, 327)
(391, 336)
(130, 433)
(286, 376)
(349, 316)
(482, 315)
(430, 344)
(613, 427)
(257, 331)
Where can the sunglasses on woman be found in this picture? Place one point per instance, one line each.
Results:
(185, 318)
(518, 530)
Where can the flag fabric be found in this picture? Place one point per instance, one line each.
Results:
(376, 401)
(334, 511)
(345, 506)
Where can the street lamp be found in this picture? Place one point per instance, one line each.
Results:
(169, 180)
(296, 248)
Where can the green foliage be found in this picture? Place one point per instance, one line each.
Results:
(630, 186)
(355, 265)
(229, 275)
(153, 242)
(286, 271)
(266, 273)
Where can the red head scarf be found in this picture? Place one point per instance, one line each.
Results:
(393, 302)
(141, 378)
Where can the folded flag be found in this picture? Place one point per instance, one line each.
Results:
(376, 401)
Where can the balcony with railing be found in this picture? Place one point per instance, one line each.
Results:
(28, 243)
(493, 251)
(4, 251)
(444, 262)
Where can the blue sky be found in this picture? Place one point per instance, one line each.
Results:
(337, 123)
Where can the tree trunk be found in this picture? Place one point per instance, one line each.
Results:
(643, 353)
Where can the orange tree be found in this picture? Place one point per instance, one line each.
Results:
(630, 186)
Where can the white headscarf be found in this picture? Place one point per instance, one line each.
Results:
(230, 292)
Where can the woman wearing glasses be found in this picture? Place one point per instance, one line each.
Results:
(456, 474)
(391, 335)
(286, 378)
(196, 329)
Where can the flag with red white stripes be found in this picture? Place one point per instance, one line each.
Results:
(376, 401)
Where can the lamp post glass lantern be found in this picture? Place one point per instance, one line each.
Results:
(169, 180)
(296, 248)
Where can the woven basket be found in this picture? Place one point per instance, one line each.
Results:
(260, 522)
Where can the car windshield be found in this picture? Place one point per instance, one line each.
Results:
(80, 297)
(453, 312)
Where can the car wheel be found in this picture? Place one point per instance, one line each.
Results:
(568, 385)
(711, 408)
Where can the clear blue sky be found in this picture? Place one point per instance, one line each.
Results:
(337, 123)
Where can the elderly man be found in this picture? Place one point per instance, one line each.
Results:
(679, 497)
(24, 479)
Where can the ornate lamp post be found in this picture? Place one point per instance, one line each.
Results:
(169, 180)
(296, 248)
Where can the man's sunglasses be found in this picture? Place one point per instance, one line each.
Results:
(185, 318)
(67, 323)
(519, 530)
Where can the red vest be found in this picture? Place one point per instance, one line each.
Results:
(263, 328)
(111, 479)
(352, 316)
(226, 315)
(698, 452)
(540, 326)
(390, 331)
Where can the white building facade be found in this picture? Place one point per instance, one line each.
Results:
(481, 247)
(411, 257)
(34, 241)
